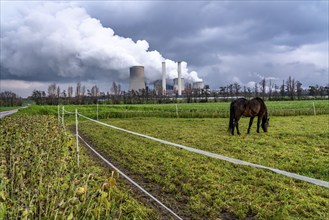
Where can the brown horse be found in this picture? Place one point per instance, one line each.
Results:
(248, 108)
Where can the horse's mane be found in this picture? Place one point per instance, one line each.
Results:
(262, 101)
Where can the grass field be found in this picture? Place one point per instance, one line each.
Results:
(203, 187)
(185, 110)
(196, 186)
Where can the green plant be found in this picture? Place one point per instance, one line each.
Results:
(40, 178)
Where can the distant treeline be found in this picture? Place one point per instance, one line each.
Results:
(290, 89)
(8, 99)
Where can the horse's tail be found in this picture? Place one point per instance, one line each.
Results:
(230, 125)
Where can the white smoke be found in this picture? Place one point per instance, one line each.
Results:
(60, 40)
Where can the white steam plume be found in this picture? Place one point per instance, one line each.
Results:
(60, 40)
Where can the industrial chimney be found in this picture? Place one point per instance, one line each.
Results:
(163, 78)
(137, 78)
(179, 78)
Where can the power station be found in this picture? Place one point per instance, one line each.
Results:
(137, 81)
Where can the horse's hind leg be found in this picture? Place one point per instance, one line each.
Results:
(250, 123)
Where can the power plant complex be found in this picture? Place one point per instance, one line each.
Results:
(137, 81)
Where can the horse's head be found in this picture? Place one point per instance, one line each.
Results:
(265, 124)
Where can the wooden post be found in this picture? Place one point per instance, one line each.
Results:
(77, 135)
(59, 117)
(63, 116)
(314, 109)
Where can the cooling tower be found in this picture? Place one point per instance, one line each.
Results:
(163, 78)
(137, 78)
(179, 78)
(198, 85)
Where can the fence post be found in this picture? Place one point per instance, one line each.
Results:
(77, 135)
(177, 111)
(63, 116)
(314, 109)
(97, 111)
(59, 120)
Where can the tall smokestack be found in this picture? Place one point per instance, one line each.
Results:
(163, 78)
(179, 78)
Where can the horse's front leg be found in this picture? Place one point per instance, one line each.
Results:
(237, 127)
(258, 123)
(232, 129)
(250, 123)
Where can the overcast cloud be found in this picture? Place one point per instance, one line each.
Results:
(221, 42)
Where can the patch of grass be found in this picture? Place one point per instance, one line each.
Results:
(2, 109)
(203, 187)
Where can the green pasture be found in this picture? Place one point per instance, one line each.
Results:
(183, 110)
(200, 187)
(192, 185)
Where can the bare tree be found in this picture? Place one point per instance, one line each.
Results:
(58, 91)
(52, 90)
(236, 88)
(290, 87)
(78, 89)
(282, 90)
(299, 89)
(70, 91)
(270, 90)
(83, 91)
(94, 91)
(51, 93)
(263, 87)
(256, 89)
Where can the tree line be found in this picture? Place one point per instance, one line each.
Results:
(8, 99)
(290, 89)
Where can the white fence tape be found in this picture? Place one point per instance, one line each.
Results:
(221, 157)
(68, 112)
(130, 180)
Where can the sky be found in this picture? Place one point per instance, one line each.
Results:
(219, 42)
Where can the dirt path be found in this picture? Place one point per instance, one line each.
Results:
(7, 113)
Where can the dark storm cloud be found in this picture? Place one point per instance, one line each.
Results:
(252, 33)
(224, 41)
(218, 25)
